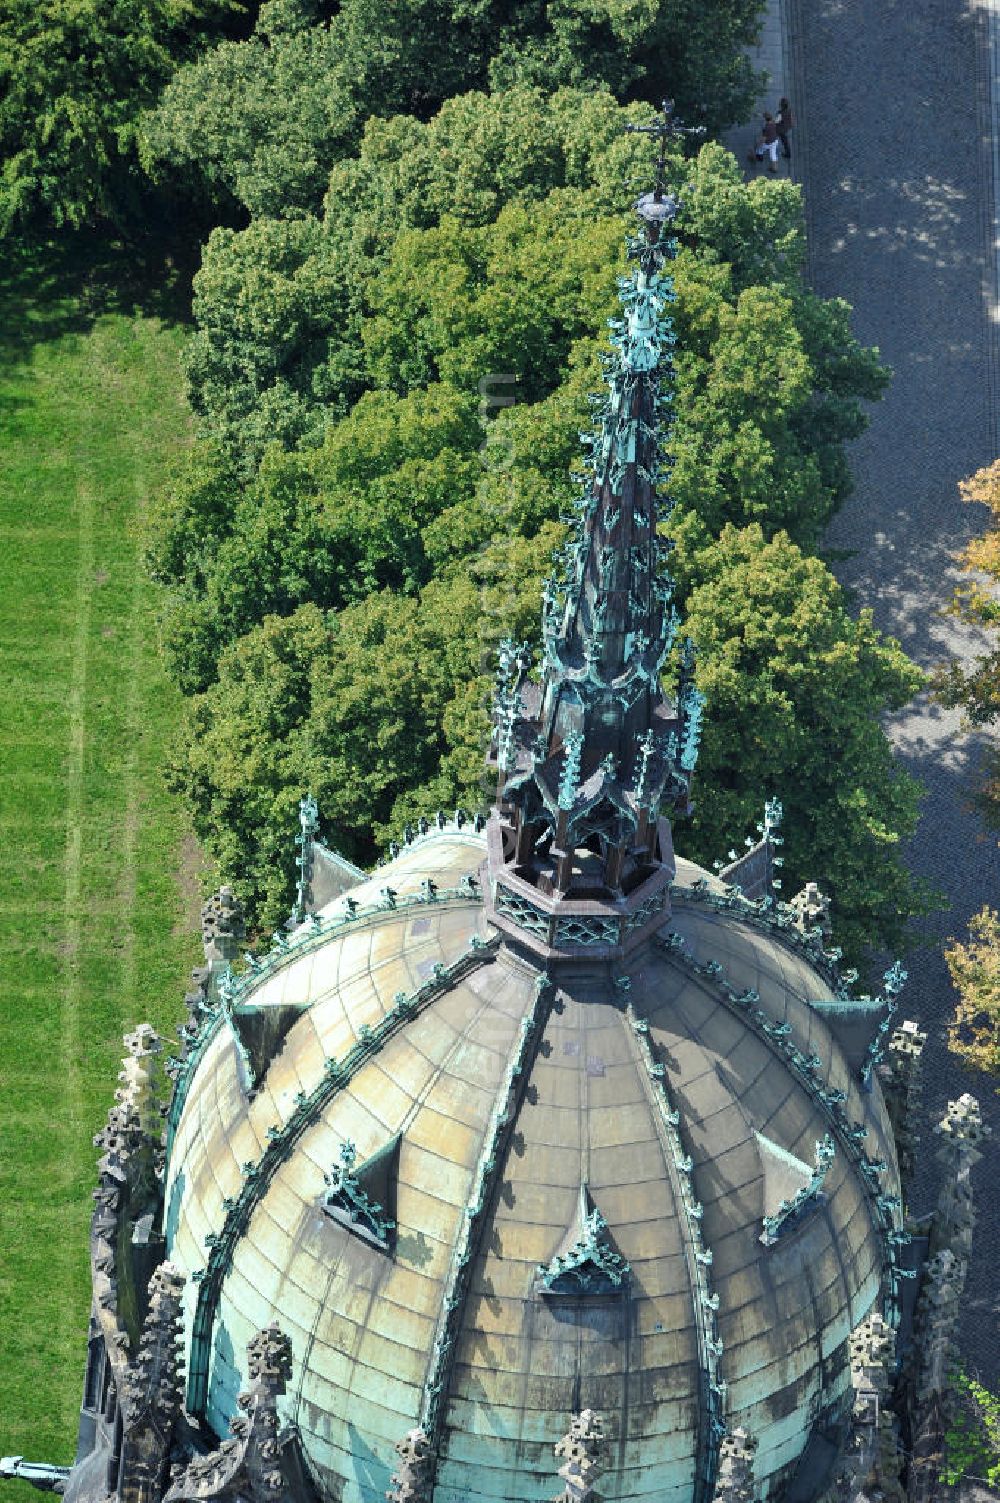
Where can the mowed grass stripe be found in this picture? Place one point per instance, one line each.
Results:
(93, 932)
(71, 1124)
(71, 1121)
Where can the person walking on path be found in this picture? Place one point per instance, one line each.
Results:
(784, 120)
(768, 143)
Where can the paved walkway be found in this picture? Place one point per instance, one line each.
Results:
(893, 148)
(773, 57)
(897, 146)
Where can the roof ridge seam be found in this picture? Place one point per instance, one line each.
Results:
(698, 1256)
(488, 1167)
(281, 1140)
(884, 1209)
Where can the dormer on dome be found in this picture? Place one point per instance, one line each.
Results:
(586, 1264)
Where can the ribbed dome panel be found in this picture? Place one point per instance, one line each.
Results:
(363, 1321)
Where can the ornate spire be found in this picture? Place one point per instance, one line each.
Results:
(305, 840)
(583, 1451)
(961, 1131)
(586, 761)
(734, 1483)
(901, 1078)
(663, 127)
(152, 1392)
(257, 1463)
(222, 929)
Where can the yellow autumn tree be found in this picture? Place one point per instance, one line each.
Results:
(974, 1033)
(977, 601)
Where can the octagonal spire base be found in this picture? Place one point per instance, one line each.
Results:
(552, 927)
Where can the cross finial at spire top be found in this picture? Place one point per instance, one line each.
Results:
(663, 127)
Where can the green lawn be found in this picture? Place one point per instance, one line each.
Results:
(96, 932)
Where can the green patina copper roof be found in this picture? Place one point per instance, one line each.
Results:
(612, 1074)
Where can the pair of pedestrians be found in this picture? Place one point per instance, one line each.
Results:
(774, 133)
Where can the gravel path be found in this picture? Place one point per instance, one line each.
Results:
(898, 183)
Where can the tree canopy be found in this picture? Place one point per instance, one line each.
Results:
(307, 351)
(977, 690)
(75, 76)
(794, 686)
(974, 966)
(387, 720)
(265, 120)
(974, 1033)
(364, 517)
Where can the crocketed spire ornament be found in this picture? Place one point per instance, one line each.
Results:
(152, 1389)
(153, 1381)
(587, 761)
(411, 1480)
(349, 1196)
(305, 840)
(257, 1464)
(734, 1480)
(583, 1449)
(960, 1131)
(222, 927)
(590, 1265)
(900, 1075)
(812, 911)
(868, 1466)
(141, 1088)
(269, 1360)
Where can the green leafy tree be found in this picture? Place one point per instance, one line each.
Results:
(736, 456)
(392, 508)
(280, 307)
(74, 78)
(972, 1438)
(456, 304)
(795, 687)
(259, 121)
(186, 526)
(397, 725)
(480, 152)
(347, 706)
(974, 1033)
(693, 53)
(328, 525)
(266, 361)
(378, 709)
(770, 378)
(755, 228)
(265, 120)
